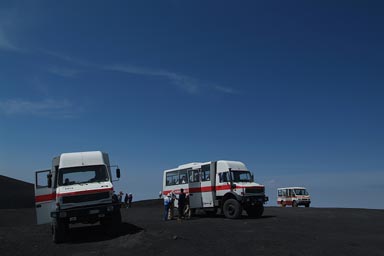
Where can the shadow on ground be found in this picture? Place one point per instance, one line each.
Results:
(88, 234)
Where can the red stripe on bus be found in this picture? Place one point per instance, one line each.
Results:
(50, 197)
(201, 189)
(206, 189)
(223, 187)
(285, 202)
(43, 198)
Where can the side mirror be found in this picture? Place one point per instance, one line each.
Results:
(118, 173)
(49, 180)
(233, 186)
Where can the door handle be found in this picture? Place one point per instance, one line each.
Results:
(38, 206)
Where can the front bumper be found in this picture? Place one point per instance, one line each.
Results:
(303, 202)
(80, 214)
(254, 200)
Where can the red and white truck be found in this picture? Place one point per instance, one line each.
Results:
(217, 186)
(77, 189)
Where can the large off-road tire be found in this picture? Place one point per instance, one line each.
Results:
(232, 209)
(59, 229)
(306, 205)
(255, 212)
(294, 204)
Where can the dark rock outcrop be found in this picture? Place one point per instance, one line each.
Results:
(16, 194)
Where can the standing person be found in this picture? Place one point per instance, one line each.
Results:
(187, 209)
(120, 197)
(172, 205)
(126, 200)
(181, 202)
(130, 198)
(167, 204)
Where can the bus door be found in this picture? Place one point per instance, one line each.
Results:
(194, 189)
(207, 186)
(289, 196)
(44, 198)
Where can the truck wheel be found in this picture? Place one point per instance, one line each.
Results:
(294, 204)
(283, 204)
(255, 212)
(58, 231)
(232, 209)
(307, 205)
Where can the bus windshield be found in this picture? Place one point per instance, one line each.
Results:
(241, 176)
(82, 174)
(301, 192)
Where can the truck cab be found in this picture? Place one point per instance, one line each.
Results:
(236, 190)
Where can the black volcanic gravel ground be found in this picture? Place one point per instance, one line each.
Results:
(281, 231)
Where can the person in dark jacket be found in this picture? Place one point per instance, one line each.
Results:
(181, 203)
(126, 200)
(130, 198)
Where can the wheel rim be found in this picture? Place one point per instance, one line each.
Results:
(231, 209)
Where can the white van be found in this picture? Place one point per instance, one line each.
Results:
(293, 196)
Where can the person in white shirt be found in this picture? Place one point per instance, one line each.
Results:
(167, 204)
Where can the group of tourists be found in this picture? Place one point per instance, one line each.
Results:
(183, 206)
(127, 203)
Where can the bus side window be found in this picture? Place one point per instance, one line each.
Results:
(205, 170)
(223, 177)
(226, 177)
(194, 176)
(183, 176)
(172, 178)
(190, 175)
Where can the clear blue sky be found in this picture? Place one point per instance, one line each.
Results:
(294, 89)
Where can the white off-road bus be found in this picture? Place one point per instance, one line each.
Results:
(293, 196)
(217, 186)
(77, 189)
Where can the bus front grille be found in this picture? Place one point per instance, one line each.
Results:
(257, 190)
(85, 198)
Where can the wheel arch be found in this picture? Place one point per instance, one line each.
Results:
(229, 195)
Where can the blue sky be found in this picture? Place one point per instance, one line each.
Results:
(294, 89)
